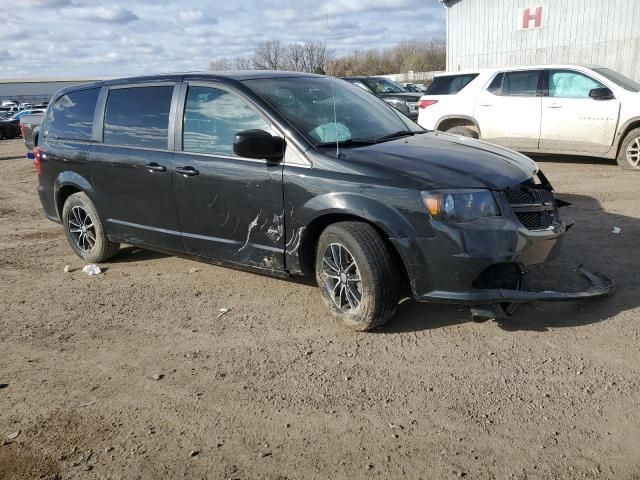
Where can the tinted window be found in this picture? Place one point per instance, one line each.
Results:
(521, 83)
(449, 84)
(495, 86)
(567, 84)
(212, 117)
(71, 116)
(138, 117)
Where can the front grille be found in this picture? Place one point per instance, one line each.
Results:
(533, 205)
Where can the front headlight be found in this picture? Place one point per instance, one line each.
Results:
(459, 206)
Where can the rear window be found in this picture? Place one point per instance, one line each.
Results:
(450, 84)
(138, 117)
(71, 116)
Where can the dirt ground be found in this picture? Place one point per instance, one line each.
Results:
(275, 389)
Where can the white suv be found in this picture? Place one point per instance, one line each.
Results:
(564, 109)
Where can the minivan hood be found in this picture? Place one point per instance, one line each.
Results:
(440, 160)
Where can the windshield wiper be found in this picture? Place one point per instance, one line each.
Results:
(350, 141)
(391, 136)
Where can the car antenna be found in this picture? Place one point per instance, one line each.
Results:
(333, 92)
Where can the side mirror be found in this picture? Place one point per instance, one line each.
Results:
(602, 93)
(258, 144)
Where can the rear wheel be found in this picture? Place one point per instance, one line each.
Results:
(629, 154)
(84, 230)
(356, 275)
(463, 131)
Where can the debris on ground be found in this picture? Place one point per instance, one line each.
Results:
(66, 269)
(223, 312)
(13, 435)
(193, 270)
(194, 453)
(91, 269)
(3, 385)
(616, 230)
(158, 376)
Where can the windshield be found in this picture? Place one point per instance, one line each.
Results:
(355, 116)
(619, 79)
(382, 85)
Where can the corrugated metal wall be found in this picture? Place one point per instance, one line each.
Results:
(484, 33)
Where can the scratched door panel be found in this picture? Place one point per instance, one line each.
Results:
(232, 210)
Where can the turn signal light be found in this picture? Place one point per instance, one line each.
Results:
(426, 103)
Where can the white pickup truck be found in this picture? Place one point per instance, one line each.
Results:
(559, 109)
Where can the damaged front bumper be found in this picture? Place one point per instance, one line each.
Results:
(600, 285)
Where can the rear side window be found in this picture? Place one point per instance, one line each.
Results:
(450, 84)
(138, 117)
(71, 116)
(522, 84)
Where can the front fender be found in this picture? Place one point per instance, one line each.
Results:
(387, 218)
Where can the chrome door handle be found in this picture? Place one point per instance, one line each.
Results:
(154, 167)
(555, 105)
(187, 171)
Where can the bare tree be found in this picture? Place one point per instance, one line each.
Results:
(271, 55)
(315, 56)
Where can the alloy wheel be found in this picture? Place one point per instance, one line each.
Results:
(633, 153)
(342, 277)
(82, 229)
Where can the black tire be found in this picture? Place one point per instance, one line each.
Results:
(95, 246)
(463, 131)
(379, 285)
(630, 144)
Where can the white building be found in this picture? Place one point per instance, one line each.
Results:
(496, 33)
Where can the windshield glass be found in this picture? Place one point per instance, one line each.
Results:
(307, 102)
(382, 85)
(619, 79)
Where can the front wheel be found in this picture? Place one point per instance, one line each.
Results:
(84, 230)
(356, 275)
(629, 154)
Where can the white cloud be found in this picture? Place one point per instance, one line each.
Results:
(42, 3)
(195, 16)
(100, 14)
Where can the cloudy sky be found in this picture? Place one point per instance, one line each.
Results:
(91, 38)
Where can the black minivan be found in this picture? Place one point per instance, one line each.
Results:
(296, 174)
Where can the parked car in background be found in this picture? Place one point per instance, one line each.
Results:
(294, 174)
(413, 87)
(9, 127)
(390, 92)
(23, 113)
(30, 129)
(559, 109)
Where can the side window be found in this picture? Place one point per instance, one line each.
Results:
(522, 84)
(138, 117)
(568, 84)
(449, 84)
(212, 117)
(71, 116)
(495, 86)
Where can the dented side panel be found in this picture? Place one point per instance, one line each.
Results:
(232, 210)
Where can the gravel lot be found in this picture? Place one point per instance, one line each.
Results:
(134, 374)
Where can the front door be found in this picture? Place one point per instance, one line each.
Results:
(508, 111)
(130, 168)
(230, 208)
(571, 120)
